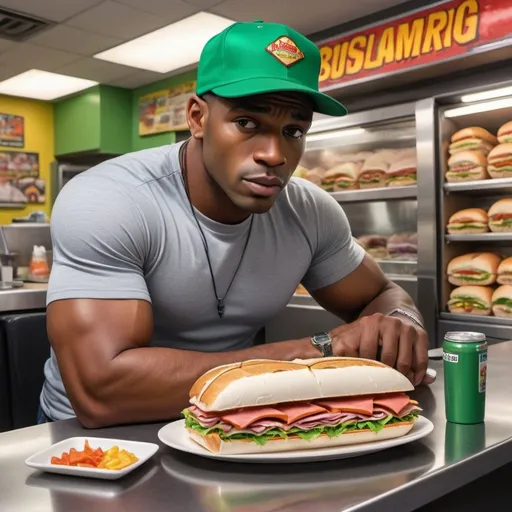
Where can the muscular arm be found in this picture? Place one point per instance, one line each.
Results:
(112, 377)
(364, 292)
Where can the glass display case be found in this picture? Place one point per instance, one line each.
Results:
(473, 152)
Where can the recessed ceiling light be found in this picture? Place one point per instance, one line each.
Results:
(42, 85)
(170, 48)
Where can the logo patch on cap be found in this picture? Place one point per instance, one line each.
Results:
(285, 51)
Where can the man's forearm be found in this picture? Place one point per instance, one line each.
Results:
(152, 384)
(391, 298)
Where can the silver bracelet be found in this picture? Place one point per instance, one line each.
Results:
(414, 319)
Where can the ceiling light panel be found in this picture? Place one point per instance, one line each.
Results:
(170, 48)
(42, 85)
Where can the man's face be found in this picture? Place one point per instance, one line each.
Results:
(252, 145)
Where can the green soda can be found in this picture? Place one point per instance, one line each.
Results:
(465, 376)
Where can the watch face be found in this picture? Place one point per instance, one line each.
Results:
(321, 338)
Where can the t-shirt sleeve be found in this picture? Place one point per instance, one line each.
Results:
(100, 242)
(335, 252)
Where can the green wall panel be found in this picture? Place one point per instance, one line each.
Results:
(77, 123)
(116, 120)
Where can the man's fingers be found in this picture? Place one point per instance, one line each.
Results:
(420, 358)
(408, 336)
(345, 340)
(370, 336)
(390, 335)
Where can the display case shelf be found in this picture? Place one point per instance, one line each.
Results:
(493, 320)
(376, 194)
(502, 185)
(481, 237)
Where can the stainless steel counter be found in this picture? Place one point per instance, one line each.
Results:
(401, 479)
(31, 296)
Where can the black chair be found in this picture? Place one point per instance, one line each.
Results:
(5, 399)
(27, 349)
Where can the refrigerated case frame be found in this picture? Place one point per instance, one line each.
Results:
(432, 190)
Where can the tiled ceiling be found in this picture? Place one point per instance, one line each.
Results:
(81, 28)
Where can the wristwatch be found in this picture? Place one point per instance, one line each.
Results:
(413, 318)
(323, 342)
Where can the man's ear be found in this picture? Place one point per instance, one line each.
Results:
(197, 114)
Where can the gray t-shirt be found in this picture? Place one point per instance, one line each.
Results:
(125, 230)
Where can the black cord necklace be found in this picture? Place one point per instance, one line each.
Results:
(220, 300)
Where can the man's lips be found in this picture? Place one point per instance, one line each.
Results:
(263, 186)
(266, 181)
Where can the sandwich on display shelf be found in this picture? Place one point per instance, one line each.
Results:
(315, 176)
(500, 216)
(403, 246)
(467, 166)
(476, 268)
(472, 138)
(505, 133)
(473, 300)
(402, 173)
(374, 245)
(468, 221)
(500, 161)
(502, 302)
(264, 406)
(342, 177)
(505, 271)
(374, 171)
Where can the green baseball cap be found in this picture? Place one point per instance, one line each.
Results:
(257, 58)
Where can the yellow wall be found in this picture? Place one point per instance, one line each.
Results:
(38, 139)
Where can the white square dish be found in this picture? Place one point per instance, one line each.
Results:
(41, 460)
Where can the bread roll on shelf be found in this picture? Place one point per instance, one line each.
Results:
(468, 221)
(474, 300)
(477, 268)
(502, 302)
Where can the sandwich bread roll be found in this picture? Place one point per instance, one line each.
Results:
(468, 221)
(402, 173)
(502, 301)
(505, 133)
(373, 173)
(467, 166)
(500, 216)
(374, 245)
(473, 138)
(263, 406)
(500, 161)
(476, 268)
(505, 271)
(474, 300)
(315, 175)
(342, 177)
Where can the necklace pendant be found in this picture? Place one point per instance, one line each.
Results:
(220, 307)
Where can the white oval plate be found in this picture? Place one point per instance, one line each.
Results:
(41, 460)
(175, 435)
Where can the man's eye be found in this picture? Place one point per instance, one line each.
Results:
(246, 123)
(295, 133)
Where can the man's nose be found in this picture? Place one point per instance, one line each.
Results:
(270, 153)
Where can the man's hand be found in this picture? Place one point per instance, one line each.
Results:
(397, 342)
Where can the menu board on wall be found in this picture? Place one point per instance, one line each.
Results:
(12, 131)
(19, 178)
(165, 111)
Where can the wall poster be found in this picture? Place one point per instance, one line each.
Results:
(164, 111)
(19, 178)
(12, 131)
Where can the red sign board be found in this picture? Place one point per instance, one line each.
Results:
(449, 29)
